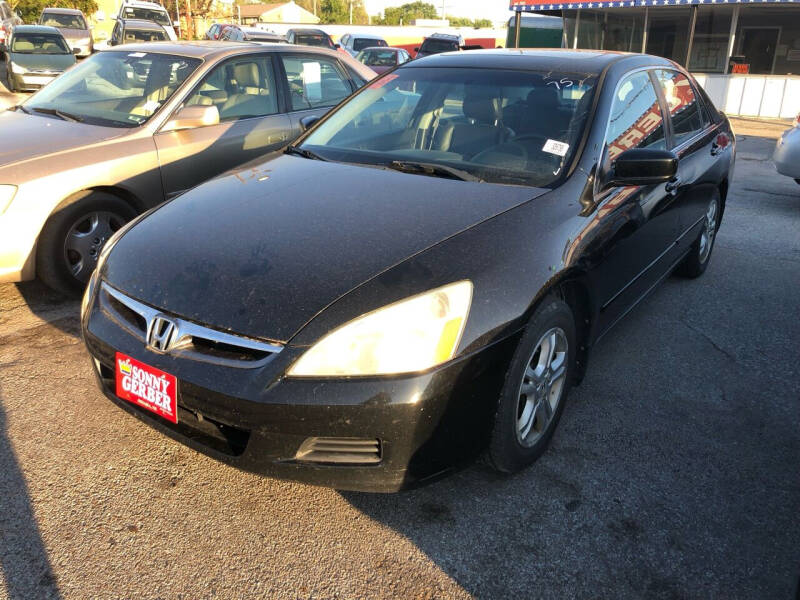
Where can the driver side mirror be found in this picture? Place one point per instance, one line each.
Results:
(309, 121)
(76, 50)
(190, 117)
(642, 166)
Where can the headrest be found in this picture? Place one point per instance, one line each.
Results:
(246, 74)
(482, 108)
(23, 45)
(543, 98)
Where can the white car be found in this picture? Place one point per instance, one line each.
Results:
(147, 11)
(787, 152)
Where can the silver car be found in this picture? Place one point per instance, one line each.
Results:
(35, 56)
(129, 128)
(72, 25)
(787, 152)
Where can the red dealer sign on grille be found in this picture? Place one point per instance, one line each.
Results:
(147, 387)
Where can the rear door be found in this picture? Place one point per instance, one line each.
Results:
(693, 140)
(253, 121)
(314, 83)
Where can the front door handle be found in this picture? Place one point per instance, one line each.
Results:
(672, 186)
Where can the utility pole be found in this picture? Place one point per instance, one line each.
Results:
(189, 22)
(351, 12)
(444, 9)
(315, 8)
(178, 15)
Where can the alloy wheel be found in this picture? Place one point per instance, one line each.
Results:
(709, 230)
(86, 238)
(542, 385)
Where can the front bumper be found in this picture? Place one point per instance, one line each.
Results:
(787, 153)
(30, 82)
(257, 419)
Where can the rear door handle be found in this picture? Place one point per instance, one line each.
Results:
(672, 186)
(716, 149)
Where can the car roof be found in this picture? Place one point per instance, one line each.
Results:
(366, 36)
(383, 48)
(36, 29)
(209, 49)
(141, 24)
(142, 4)
(62, 11)
(567, 61)
(306, 30)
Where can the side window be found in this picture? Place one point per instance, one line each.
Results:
(636, 120)
(240, 89)
(314, 81)
(686, 113)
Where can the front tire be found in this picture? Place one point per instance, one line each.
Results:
(71, 240)
(699, 256)
(536, 387)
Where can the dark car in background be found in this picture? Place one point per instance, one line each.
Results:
(438, 43)
(241, 33)
(35, 55)
(381, 60)
(131, 31)
(132, 126)
(310, 37)
(420, 278)
(72, 25)
(354, 43)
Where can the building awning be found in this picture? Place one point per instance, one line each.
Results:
(537, 5)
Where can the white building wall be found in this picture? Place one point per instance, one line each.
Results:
(769, 96)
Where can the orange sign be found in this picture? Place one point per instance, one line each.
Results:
(740, 68)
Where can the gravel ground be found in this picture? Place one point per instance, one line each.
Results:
(674, 473)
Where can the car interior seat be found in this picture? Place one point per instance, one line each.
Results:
(247, 96)
(482, 128)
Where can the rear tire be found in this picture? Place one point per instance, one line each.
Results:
(536, 387)
(699, 256)
(73, 236)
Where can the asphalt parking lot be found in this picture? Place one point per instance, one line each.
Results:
(674, 472)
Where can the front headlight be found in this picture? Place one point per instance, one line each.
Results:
(15, 68)
(6, 196)
(410, 335)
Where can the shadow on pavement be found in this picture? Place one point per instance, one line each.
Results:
(58, 310)
(23, 558)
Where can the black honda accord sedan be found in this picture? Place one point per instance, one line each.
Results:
(421, 277)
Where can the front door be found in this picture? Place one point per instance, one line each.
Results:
(252, 123)
(636, 225)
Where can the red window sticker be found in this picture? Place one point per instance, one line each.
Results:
(147, 387)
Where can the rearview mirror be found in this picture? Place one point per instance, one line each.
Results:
(643, 166)
(190, 117)
(309, 121)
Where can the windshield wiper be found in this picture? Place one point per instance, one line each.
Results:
(64, 116)
(433, 170)
(304, 153)
(24, 109)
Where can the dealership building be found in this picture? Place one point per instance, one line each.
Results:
(745, 54)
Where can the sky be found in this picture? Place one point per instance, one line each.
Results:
(496, 10)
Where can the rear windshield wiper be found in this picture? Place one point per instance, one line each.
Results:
(304, 153)
(64, 116)
(433, 170)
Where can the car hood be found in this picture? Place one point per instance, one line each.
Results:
(74, 34)
(43, 62)
(39, 135)
(261, 251)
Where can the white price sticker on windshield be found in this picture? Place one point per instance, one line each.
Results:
(554, 147)
(136, 54)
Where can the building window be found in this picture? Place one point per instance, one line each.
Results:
(668, 34)
(711, 33)
(768, 40)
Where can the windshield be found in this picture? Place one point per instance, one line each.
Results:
(313, 39)
(39, 43)
(378, 58)
(64, 21)
(499, 126)
(361, 43)
(435, 46)
(143, 35)
(147, 14)
(119, 89)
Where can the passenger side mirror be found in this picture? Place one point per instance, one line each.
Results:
(337, 46)
(309, 121)
(416, 49)
(190, 117)
(76, 50)
(642, 166)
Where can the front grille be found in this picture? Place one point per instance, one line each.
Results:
(340, 451)
(189, 339)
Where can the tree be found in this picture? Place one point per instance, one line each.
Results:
(407, 13)
(467, 22)
(31, 10)
(338, 11)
